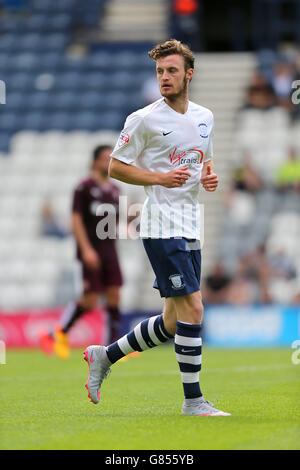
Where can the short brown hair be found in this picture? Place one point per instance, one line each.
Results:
(173, 47)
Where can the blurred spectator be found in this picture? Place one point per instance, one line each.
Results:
(283, 76)
(260, 95)
(258, 79)
(255, 267)
(50, 227)
(262, 136)
(280, 73)
(265, 185)
(256, 275)
(251, 280)
(215, 288)
(284, 73)
(241, 291)
(281, 265)
(288, 174)
(246, 178)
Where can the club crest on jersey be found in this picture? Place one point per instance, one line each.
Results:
(95, 192)
(203, 130)
(177, 281)
(123, 139)
(187, 157)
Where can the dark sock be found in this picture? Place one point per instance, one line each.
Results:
(70, 315)
(114, 323)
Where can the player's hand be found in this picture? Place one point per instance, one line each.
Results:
(91, 259)
(210, 180)
(175, 178)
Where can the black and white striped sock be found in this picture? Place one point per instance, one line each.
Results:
(188, 345)
(147, 334)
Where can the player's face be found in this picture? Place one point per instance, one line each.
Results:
(171, 75)
(102, 162)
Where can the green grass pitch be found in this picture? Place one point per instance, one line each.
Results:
(44, 405)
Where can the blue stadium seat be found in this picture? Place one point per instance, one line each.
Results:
(63, 101)
(36, 23)
(10, 121)
(21, 81)
(4, 61)
(74, 64)
(41, 22)
(86, 120)
(55, 41)
(116, 100)
(60, 120)
(5, 141)
(126, 60)
(100, 60)
(123, 80)
(9, 24)
(69, 81)
(145, 62)
(94, 121)
(88, 17)
(36, 120)
(30, 41)
(26, 61)
(36, 42)
(48, 5)
(96, 81)
(93, 92)
(90, 100)
(39, 100)
(51, 60)
(8, 42)
(59, 22)
(16, 101)
(112, 120)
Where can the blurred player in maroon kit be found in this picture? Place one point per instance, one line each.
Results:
(101, 272)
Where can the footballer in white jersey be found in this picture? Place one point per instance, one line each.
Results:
(167, 148)
(157, 138)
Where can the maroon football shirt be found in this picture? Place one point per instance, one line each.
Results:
(88, 195)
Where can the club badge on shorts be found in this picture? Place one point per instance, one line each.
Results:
(177, 281)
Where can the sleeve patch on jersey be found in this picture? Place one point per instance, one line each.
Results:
(123, 139)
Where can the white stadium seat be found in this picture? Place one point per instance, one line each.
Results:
(25, 142)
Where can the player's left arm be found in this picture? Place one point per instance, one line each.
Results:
(209, 179)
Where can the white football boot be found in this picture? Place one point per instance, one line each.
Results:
(201, 407)
(99, 369)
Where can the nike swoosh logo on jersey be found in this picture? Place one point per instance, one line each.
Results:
(167, 133)
(92, 360)
(188, 350)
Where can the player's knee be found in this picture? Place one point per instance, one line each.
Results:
(113, 297)
(89, 301)
(199, 312)
(196, 312)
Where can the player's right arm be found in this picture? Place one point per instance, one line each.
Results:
(132, 175)
(88, 253)
(131, 143)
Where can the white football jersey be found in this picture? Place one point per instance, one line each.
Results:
(157, 138)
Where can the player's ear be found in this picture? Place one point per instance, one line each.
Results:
(189, 74)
